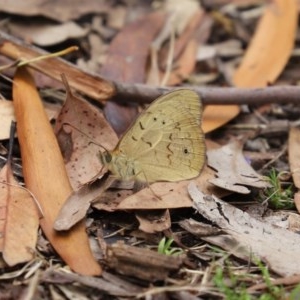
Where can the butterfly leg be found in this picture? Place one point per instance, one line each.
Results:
(138, 185)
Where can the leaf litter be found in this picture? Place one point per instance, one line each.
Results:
(128, 224)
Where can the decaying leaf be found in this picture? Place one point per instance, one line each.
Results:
(78, 128)
(247, 237)
(19, 220)
(233, 171)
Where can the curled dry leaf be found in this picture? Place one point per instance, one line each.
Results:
(19, 220)
(233, 171)
(45, 174)
(78, 203)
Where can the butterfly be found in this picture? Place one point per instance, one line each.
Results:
(165, 142)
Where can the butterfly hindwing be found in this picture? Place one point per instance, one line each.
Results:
(166, 142)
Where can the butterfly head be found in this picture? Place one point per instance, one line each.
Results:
(105, 157)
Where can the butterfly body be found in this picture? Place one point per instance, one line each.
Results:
(165, 143)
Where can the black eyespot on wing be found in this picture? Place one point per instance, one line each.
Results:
(154, 119)
(163, 122)
(186, 151)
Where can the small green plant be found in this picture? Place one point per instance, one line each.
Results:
(164, 247)
(233, 286)
(231, 291)
(274, 291)
(278, 196)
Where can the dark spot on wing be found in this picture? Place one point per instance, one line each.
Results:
(141, 125)
(168, 147)
(147, 142)
(134, 138)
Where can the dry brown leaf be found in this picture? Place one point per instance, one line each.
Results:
(45, 174)
(126, 62)
(153, 221)
(78, 127)
(248, 237)
(233, 171)
(77, 204)
(55, 9)
(294, 161)
(172, 194)
(19, 220)
(128, 52)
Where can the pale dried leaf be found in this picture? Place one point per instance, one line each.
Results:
(7, 115)
(55, 9)
(47, 34)
(233, 171)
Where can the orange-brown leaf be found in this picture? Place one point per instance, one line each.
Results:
(271, 45)
(45, 174)
(265, 58)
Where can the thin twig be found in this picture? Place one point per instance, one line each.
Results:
(142, 93)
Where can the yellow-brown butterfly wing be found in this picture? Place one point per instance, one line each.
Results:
(165, 143)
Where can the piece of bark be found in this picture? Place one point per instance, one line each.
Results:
(141, 263)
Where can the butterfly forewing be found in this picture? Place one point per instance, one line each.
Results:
(166, 142)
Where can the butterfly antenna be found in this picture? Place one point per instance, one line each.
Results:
(91, 142)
